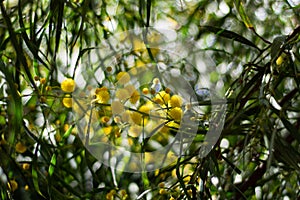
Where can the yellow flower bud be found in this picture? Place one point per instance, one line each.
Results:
(109, 69)
(105, 119)
(162, 191)
(26, 187)
(161, 185)
(48, 88)
(43, 81)
(25, 166)
(145, 91)
(279, 60)
(168, 90)
(20, 148)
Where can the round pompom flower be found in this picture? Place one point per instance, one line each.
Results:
(102, 95)
(176, 113)
(175, 101)
(68, 85)
(67, 101)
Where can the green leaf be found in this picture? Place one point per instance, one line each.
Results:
(52, 165)
(35, 180)
(228, 34)
(240, 7)
(67, 133)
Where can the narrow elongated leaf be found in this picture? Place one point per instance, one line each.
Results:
(245, 18)
(35, 180)
(14, 106)
(52, 165)
(67, 133)
(228, 34)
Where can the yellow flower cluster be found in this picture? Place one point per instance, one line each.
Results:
(157, 112)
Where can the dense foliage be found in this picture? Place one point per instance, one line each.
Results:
(80, 74)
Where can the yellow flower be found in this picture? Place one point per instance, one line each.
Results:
(68, 85)
(139, 63)
(123, 77)
(102, 95)
(176, 113)
(146, 108)
(67, 101)
(162, 98)
(145, 91)
(162, 192)
(48, 88)
(279, 60)
(13, 185)
(109, 196)
(107, 130)
(26, 187)
(175, 101)
(135, 96)
(20, 148)
(105, 119)
(25, 166)
(161, 185)
(136, 117)
(43, 81)
(117, 119)
(123, 194)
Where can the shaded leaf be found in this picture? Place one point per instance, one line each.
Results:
(228, 34)
(52, 165)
